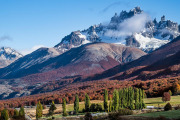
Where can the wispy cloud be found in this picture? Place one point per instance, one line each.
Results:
(5, 37)
(130, 26)
(27, 51)
(118, 3)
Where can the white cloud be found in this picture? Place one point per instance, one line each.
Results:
(27, 51)
(130, 26)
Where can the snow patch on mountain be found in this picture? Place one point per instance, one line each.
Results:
(8, 55)
(147, 43)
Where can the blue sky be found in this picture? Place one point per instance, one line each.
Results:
(28, 24)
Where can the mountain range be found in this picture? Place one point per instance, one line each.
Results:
(133, 28)
(130, 47)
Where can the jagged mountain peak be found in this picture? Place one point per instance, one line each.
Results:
(11, 53)
(116, 19)
(133, 28)
(8, 55)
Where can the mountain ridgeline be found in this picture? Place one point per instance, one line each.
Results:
(130, 47)
(147, 34)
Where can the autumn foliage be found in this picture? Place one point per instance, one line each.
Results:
(166, 97)
(95, 90)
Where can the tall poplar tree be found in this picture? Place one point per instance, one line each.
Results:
(143, 95)
(110, 105)
(105, 100)
(64, 107)
(124, 99)
(120, 98)
(16, 113)
(87, 103)
(52, 108)
(21, 112)
(76, 104)
(140, 99)
(4, 114)
(131, 98)
(136, 97)
(39, 109)
(115, 100)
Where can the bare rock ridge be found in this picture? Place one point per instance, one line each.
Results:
(167, 54)
(87, 59)
(45, 65)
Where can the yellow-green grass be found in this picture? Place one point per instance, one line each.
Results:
(167, 114)
(175, 100)
(70, 107)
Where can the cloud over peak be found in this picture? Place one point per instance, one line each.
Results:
(129, 26)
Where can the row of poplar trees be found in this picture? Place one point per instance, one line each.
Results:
(124, 98)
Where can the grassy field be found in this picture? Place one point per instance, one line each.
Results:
(167, 114)
(70, 107)
(175, 100)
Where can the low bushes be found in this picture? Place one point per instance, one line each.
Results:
(121, 112)
(177, 107)
(167, 107)
(88, 116)
(96, 108)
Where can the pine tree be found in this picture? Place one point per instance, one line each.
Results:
(115, 100)
(21, 112)
(105, 100)
(76, 104)
(39, 109)
(87, 103)
(4, 114)
(64, 107)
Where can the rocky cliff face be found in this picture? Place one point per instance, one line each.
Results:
(150, 36)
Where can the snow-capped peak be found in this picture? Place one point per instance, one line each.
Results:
(134, 28)
(8, 55)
